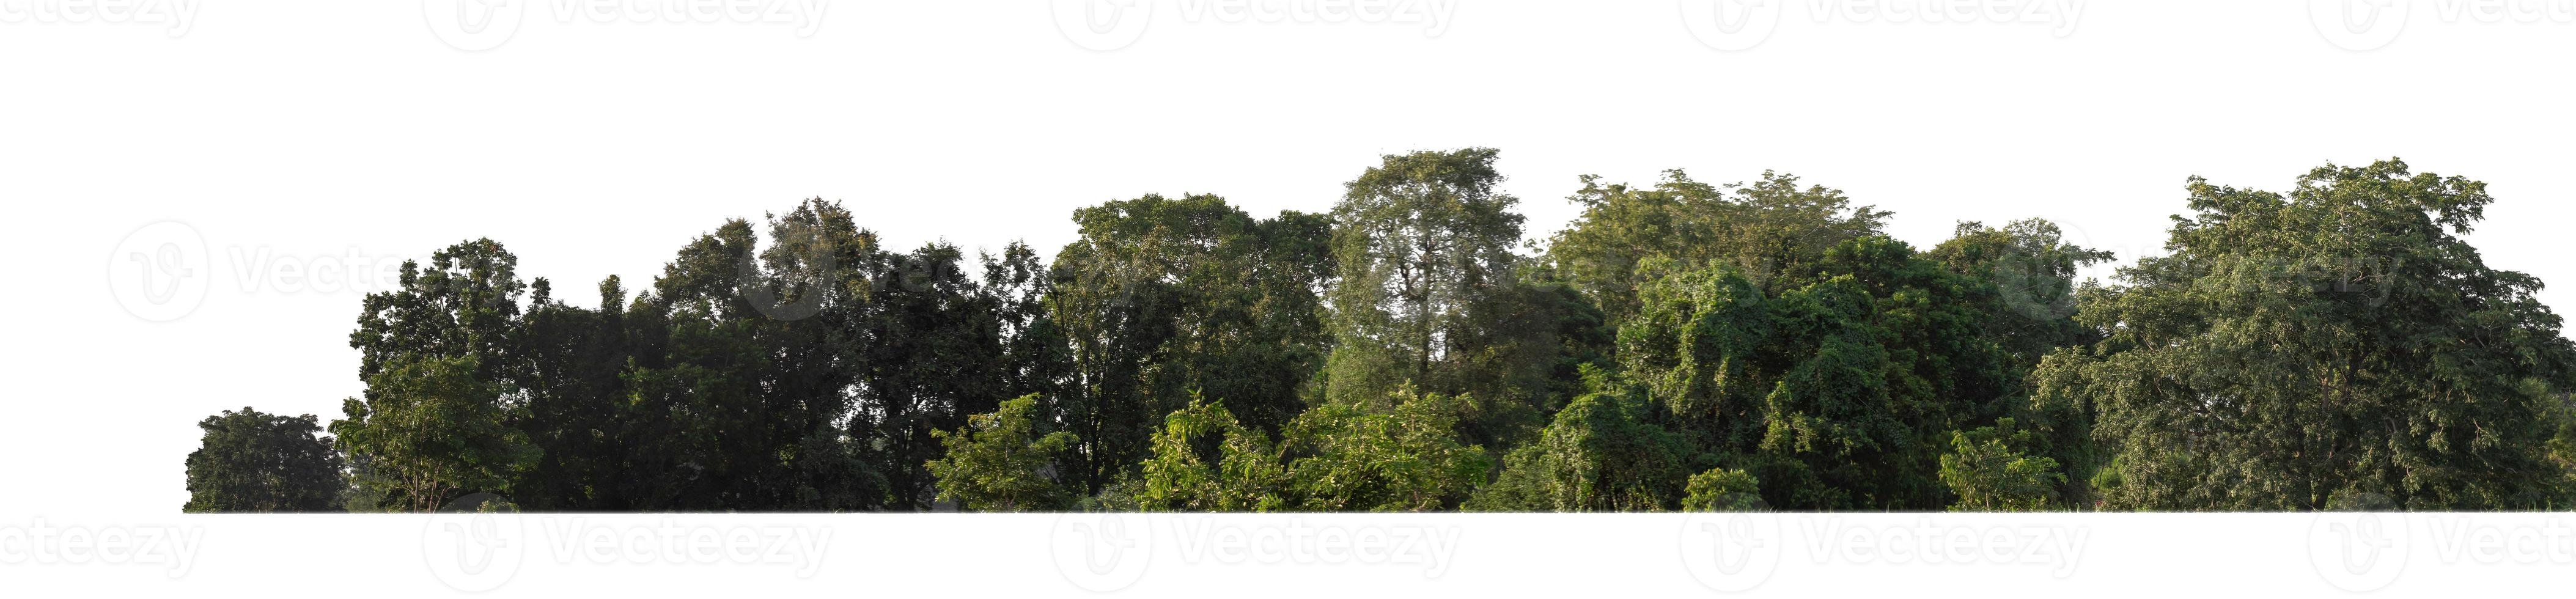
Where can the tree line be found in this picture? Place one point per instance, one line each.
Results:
(1681, 345)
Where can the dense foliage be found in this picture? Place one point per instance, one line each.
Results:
(255, 462)
(1680, 346)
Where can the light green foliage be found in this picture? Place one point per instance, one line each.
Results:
(1765, 228)
(1722, 490)
(430, 432)
(2340, 339)
(1398, 454)
(1991, 470)
(255, 462)
(1001, 462)
(1204, 460)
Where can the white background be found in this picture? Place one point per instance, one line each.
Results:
(328, 134)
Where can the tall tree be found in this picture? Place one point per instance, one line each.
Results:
(1423, 245)
(437, 356)
(1162, 298)
(2335, 344)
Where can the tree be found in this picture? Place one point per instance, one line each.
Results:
(2296, 350)
(574, 398)
(2032, 269)
(1162, 298)
(1602, 453)
(256, 462)
(430, 431)
(1004, 462)
(1394, 455)
(1206, 461)
(933, 353)
(1991, 469)
(1768, 227)
(1839, 387)
(463, 305)
(1722, 490)
(1420, 240)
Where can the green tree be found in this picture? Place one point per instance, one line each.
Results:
(1991, 469)
(1162, 297)
(2337, 341)
(1722, 490)
(1603, 452)
(256, 462)
(1398, 454)
(1771, 226)
(430, 431)
(1004, 462)
(2033, 269)
(1838, 388)
(1419, 240)
(1204, 460)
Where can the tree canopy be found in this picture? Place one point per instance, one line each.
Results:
(1678, 346)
